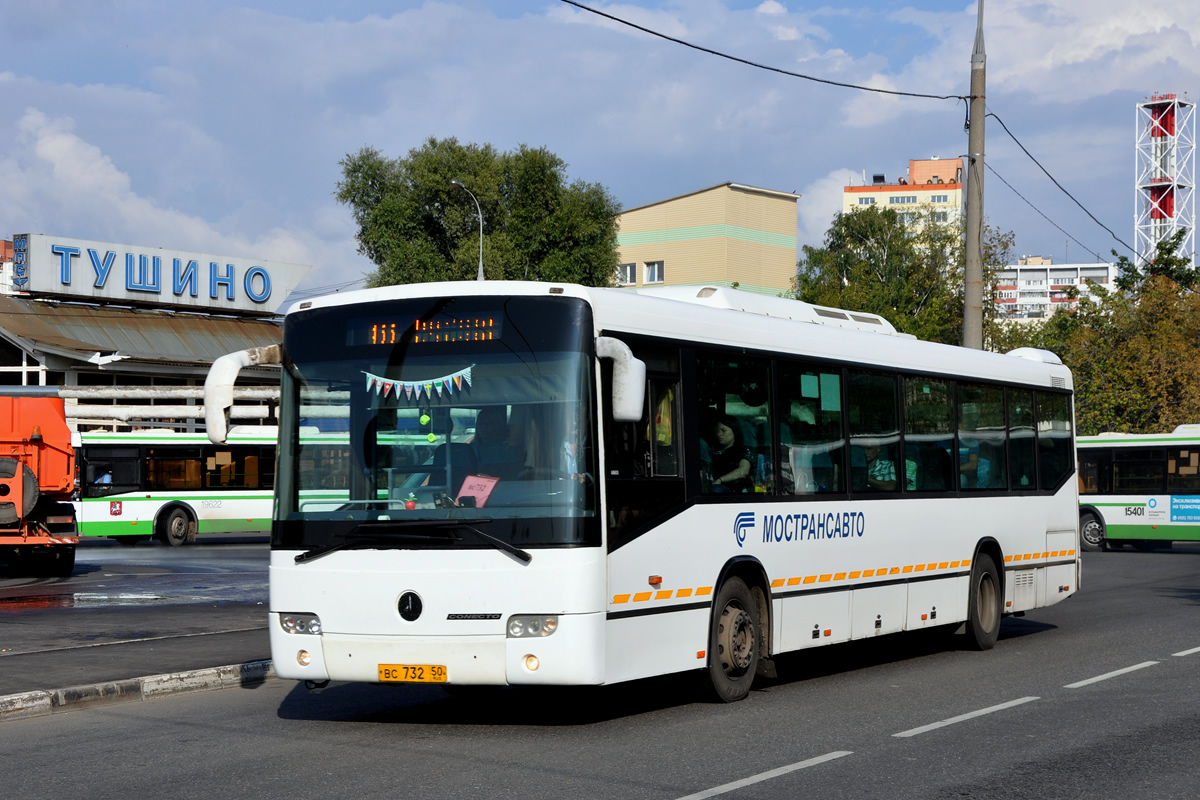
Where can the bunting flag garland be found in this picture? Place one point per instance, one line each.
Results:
(447, 384)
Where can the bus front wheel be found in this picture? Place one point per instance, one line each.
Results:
(1091, 532)
(175, 527)
(733, 642)
(983, 604)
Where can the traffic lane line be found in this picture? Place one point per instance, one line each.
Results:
(766, 776)
(1187, 652)
(1108, 675)
(964, 717)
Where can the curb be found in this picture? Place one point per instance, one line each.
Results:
(42, 702)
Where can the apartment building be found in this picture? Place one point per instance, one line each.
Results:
(725, 235)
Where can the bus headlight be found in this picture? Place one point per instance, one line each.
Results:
(527, 626)
(300, 623)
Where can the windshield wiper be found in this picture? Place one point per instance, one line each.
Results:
(384, 532)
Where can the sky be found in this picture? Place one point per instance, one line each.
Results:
(219, 126)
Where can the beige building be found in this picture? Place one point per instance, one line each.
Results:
(725, 235)
(934, 184)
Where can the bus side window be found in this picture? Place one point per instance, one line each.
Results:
(874, 431)
(1183, 470)
(1022, 442)
(981, 454)
(1056, 451)
(928, 435)
(812, 453)
(733, 394)
(662, 425)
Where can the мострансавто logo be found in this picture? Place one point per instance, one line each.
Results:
(794, 527)
(741, 524)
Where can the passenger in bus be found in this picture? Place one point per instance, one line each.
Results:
(495, 451)
(881, 472)
(730, 459)
(571, 456)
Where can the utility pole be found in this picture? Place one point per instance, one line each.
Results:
(973, 273)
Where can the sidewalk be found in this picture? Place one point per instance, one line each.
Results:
(45, 670)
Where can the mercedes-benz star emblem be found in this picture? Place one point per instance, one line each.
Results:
(410, 606)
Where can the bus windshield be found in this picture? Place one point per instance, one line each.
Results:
(472, 409)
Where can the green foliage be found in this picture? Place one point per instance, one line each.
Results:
(911, 275)
(1133, 351)
(415, 226)
(1167, 263)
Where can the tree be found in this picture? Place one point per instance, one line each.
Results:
(1166, 263)
(1133, 350)
(415, 226)
(910, 273)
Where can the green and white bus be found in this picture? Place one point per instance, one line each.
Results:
(1139, 490)
(172, 486)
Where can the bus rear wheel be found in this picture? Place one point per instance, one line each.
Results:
(733, 642)
(175, 527)
(983, 604)
(1091, 532)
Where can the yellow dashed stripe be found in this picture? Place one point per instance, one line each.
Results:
(777, 583)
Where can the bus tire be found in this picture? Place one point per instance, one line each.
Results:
(175, 527)
(983, 604)
(732, 642)
(1091, 532)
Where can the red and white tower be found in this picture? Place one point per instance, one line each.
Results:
(1166, 171)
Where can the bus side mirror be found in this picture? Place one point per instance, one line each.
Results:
(629, 379)
(218, 386)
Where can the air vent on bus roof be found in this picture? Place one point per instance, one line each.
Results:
(868, 320)
(825, 312)
(1057, 382)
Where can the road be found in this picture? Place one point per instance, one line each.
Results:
(113, 618)
(1094, 698)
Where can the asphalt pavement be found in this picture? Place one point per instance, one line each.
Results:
(53, 659)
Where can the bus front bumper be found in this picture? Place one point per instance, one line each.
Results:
(572, 655)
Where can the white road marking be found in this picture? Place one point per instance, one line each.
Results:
(963, 717)
(766, 776)
(1112, 674)
(1187, 652)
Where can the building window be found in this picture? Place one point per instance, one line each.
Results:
(940, 198)
(866, 201)
(627, 274)
(941, 216)
(655, 272)
(902, 198)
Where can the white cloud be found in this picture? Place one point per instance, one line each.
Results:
(820, 201)
(62, 184)
(771, 7)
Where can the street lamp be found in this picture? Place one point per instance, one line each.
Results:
(480, 210)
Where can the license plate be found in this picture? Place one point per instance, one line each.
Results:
(412, 673)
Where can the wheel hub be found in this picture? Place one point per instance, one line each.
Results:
(736, 639)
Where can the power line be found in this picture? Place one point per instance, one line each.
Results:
(1059, 185)
(755, 64)
(826, 81)
(1038, 210)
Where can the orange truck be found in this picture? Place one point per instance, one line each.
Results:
(38, 532)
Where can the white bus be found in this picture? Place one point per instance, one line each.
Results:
(172, 486)
(1139, 489)
(633, 483)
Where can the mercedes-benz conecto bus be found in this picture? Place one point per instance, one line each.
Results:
(173, 486)
(1139, 490)
(552, 484)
